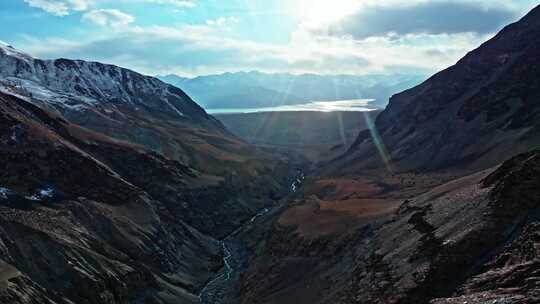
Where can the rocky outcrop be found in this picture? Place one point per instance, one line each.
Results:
(510, 277)
(510, 273)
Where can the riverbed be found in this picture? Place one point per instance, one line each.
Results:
(223, 288)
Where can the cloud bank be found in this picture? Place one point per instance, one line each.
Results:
(423, 18)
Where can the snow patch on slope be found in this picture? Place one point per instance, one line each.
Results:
(42, 194)
(4, 193)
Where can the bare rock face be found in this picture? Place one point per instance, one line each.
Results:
(477, 113)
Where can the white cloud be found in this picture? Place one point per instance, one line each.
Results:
(219, 21)
(223, 21)
(66, 7)
(108, 17)
(60, 7)
(178, 3)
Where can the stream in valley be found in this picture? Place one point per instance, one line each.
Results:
(222, 289)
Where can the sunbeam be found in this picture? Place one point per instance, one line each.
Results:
(379, 144)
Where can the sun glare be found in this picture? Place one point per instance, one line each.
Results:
(324, 12)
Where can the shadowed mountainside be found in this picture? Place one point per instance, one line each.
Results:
(233, 176)
(476, 113)
(74, 227)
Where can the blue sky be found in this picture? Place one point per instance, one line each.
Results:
(197, 37)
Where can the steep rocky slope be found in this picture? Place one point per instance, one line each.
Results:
(476, 113)
(510, 275)
(76, 85)
(234, 180)
(75, 229)
(474, 236)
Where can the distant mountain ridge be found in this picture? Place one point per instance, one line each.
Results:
(257, 89)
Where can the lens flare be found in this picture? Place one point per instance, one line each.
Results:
(379, 144)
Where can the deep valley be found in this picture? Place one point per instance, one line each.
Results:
(118, 188)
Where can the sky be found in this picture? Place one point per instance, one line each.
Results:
(200, 37)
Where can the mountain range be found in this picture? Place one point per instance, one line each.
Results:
(118, 188)
(257, 89)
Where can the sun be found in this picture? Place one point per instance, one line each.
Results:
(325, 12)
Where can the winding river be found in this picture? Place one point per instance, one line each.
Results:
(221, 289)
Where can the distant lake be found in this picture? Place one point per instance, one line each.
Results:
(353, 105)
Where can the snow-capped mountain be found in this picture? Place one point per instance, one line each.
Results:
(66, 85)
(125, 105)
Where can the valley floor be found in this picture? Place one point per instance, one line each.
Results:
(276, 256)
(308, 136)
